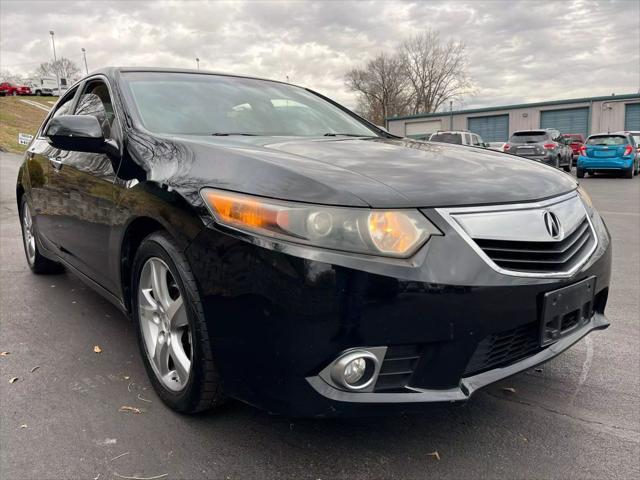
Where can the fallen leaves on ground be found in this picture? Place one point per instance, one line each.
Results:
(126, 408)
(13, 379)
(539, 370)
(34, 368)
(97, 349)
(4, 354)
(434, 454)
(24, 425)
(508, 389)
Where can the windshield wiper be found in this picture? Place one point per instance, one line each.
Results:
(227, 134)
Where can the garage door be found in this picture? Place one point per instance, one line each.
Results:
(569, 120)
(632, 116)
(494, 128)
(420, 129)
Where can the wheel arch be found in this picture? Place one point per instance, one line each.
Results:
(136, 231)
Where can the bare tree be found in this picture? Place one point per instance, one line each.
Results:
(381, 87)
(435, 70)
(64, 67)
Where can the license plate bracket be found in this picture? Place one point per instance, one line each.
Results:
(566, 309)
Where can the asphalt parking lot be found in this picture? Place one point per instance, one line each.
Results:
(577, 417)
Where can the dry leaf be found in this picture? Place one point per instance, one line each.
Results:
(34, 368)
(97, 349)
(140, 397)
(508, 389)
(4, 354)
(24, 425)
(127, 377)
(13, 379)
(435, 454)
(140, 478)
(539, 370)
(126, 408)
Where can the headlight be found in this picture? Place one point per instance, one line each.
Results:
(586, 200)
(393, 233)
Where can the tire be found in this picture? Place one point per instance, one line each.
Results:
(557, 165)
(629, 172)
(37, 263)
(14, 93)
(38, 93)
(567, 168)
(580, 173)
(200, 387)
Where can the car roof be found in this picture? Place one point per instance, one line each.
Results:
(111, 71)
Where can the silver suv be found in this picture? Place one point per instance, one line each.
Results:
(458, 137)
(544, 145)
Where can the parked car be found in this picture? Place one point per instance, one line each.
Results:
(458, 137)
(496, 146)
(8, 88)
(544, 145)
(575, 140)
(607, 152)
(271, 246)
(39, 89)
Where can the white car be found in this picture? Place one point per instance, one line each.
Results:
(458, 137)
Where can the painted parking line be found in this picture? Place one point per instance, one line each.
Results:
(36, 104)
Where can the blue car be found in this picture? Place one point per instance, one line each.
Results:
(609, 152)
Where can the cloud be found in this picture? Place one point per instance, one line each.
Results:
(518, 51)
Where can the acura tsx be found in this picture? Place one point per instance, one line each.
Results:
(273, 247)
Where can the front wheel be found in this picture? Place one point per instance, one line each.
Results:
(580, 173)
(172, 331)
(629, 172)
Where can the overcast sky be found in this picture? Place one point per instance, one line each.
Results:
(518, 51)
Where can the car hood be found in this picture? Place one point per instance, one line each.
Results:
(389, 173)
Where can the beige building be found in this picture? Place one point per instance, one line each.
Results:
(495, 124)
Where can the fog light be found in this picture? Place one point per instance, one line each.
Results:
(354, 370)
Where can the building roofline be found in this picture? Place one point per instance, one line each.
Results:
(626, 96)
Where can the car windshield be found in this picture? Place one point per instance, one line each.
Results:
(529, 137)
(447, 137)
(201, 104)
(607, 140)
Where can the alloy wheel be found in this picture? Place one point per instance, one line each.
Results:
(27, 235)
(164, 324)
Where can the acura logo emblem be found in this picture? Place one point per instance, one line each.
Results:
(552, 224)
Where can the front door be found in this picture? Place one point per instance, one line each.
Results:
(83, 227)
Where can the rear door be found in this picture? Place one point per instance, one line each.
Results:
(87, 180)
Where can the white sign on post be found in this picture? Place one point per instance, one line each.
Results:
(24, 138)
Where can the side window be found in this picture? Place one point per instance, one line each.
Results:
(63, 108)
(476, 142)
(95, 100)
(467, 139)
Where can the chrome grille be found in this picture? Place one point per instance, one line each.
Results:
(541, 256)
(515, 239)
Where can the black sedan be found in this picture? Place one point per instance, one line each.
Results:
(273, 247)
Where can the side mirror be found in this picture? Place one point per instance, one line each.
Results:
(77, 133)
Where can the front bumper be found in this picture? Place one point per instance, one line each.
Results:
(614, 163)
(277, 315)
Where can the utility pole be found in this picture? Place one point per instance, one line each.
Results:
(450, 114)
(55, 61)
(197, 63)
(84, 54)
